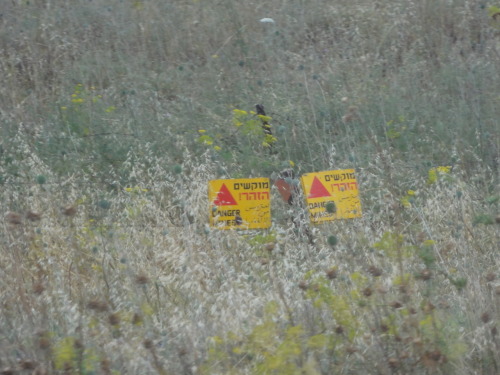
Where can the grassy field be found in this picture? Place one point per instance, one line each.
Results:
(114, 115)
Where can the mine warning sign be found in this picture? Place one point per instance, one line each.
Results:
(240, 203)
(331, 195)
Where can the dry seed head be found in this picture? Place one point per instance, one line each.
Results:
(33, 216)
(374, 271)
(27, 364)
(43, 340)
(114, 319)
(105, 366)
(404, 289)
(339, 330)
(331, 273)
(436, 355)
(367, 292)
(43, 343)
(78, 344)
(490, 277)
(417, 341)
(396, 304)
(393, 362)
(148, 344)
(425, 275)
(485, 317)
(38, 288)
(303, 285)
(97, 305)
(141, 279)
(428, 307)
(69, 210)
(497, 290)
(137, 319)
(13, 218)
(351, 350)
(421, 237)
(270, 246)
(40, 371)
(67, 367)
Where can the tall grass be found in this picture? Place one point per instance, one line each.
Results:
(107, 261)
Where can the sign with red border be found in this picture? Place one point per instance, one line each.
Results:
(331, 195)
(240, 203)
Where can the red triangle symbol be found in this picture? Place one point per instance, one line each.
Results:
(318, 190)
(224, 197)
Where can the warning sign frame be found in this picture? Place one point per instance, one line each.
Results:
(331, 195)
(240, 203)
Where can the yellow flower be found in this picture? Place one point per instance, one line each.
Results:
(434, 173)
(405, 202)
(264, 118)
(432, 176)
(240, 112)
(135, 189)
(217, 148)
(411, 193)
(110, 109)
(202, 131)
(444, 169)
(206, 140)
(270, 139)
(79, 100)
(64, 108)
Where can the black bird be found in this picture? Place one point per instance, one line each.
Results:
(265, 125)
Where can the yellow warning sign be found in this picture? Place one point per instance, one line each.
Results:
(331, 195)
(240, 203)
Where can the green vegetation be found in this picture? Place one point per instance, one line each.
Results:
(115, 114)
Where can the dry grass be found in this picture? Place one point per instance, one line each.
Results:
(107, 262)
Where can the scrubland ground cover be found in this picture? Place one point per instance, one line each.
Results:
(115, 114)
